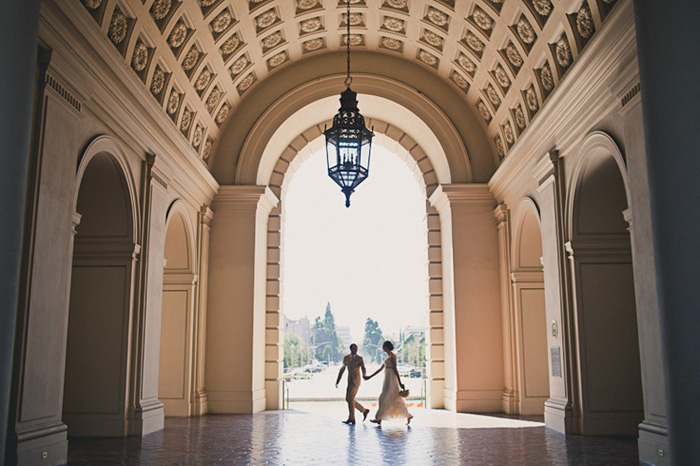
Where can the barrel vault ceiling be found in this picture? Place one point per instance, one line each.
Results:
(199, 58)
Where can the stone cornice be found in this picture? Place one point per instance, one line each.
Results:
(527, 276)
(613, 247)
(246, 198)
(472, 195)
(582, 98)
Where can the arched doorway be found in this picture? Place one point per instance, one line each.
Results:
(396, 140)
(527, 279)
(599, 251)
(177, 337)
(95, 399)
(366, 266)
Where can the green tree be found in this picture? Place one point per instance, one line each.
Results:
(372, 342)
(324, 337)
(296, 353)
(413, 351)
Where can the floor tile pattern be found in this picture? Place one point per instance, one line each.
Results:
(299, 438)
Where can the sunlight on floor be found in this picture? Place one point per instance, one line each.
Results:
(422, 417)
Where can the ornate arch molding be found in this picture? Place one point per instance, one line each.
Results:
(417, 86)
(406, 146)
(597, 143)
(107, 145)
(527, 206)
(178, 208)
(316, 102)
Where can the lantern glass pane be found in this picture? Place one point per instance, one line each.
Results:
(365, 152)
(331, 154)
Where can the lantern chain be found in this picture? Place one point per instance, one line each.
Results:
(348, 78)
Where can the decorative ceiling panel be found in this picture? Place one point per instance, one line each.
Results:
(199, 58)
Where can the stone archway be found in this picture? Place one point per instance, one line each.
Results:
(604, 311)
(104, 274)
(529, 319)
(176, 379)
(397, 140)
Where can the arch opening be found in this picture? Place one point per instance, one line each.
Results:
(177, 362)
(527, 281)
(423, 174)
(101, 299)
(368, 264)
(604, 301)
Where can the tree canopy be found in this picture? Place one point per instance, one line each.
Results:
(324, 337)
(372, 342)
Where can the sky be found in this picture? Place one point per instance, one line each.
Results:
(368, 260)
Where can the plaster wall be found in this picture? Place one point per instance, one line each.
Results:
(607, 88)
(85, 94)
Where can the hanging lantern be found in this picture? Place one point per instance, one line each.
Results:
(348, 141)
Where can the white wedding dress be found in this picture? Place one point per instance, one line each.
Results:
(391, 404)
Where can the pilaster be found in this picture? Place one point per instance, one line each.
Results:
(236, 330)
(205, 217)
(148, 412)
(471, 297)
(436, 350)
(510, 393)
(559, 412)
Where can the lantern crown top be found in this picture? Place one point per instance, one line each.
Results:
(348, 100)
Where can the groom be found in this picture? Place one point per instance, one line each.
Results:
(354, 363)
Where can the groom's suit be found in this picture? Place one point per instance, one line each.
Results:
(356, 369)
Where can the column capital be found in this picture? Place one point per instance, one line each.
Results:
(206, 215)
(472, 195)
(245, 198)
(75, 221)
(501, 213)
(159, 169)
(546, 166)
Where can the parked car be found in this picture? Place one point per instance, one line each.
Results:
(300, 374)
(416, 373)
(403, 370)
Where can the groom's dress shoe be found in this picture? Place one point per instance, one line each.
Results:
(364, 415)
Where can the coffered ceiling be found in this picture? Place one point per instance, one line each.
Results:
(199, 58)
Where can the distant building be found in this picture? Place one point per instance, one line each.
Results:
(301, 328)
(417, 332)
(343, 332)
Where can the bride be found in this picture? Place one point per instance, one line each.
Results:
(391, 404)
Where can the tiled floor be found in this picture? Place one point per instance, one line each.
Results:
(317, 437)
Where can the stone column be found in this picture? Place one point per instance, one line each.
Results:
(19, 23)
(148, 413)
(236, 299)
(668, 42)
(472, 302)
(559, 412)
(200, 330)
(510, 393)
